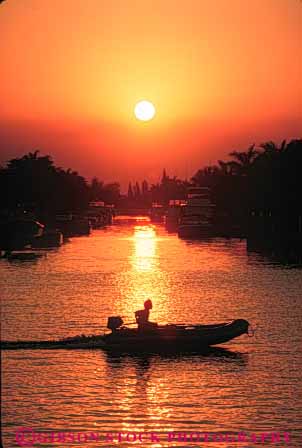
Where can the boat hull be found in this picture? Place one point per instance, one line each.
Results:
(174, 337)
(48, 239)
(194, 231)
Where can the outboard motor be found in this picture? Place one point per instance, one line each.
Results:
(114, 322)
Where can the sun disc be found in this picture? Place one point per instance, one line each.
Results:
(144, 110)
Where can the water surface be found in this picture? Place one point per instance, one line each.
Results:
(254, 386)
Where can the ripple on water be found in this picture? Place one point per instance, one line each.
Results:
(254, 386)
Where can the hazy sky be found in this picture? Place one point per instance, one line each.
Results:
(222, 74)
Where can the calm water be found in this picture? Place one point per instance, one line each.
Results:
(255, 386)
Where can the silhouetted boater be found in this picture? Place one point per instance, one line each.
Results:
(142, 317)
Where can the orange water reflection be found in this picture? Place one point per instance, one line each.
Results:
(112, 272)
(161, 394)
(144, 256)
(146, 279)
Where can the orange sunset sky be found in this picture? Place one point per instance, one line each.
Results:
(222, 74)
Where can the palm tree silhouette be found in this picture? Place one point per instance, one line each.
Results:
(32, 155)
(225, 168)
(243, 160)
(272, 148)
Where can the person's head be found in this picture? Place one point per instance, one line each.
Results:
(148, 305)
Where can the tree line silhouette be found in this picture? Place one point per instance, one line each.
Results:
(267, 177)
(161, 192)
(33, 183)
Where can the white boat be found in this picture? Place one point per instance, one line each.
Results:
(196, 217)
(173, 212)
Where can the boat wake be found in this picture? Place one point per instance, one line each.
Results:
(82, 341)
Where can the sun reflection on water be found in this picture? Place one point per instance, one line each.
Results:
(144, 256)
(146, 277)
(143, 399)
(112, 272)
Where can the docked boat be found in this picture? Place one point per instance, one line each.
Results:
(173, 213)
(50, 238)
(24, 256)
(18, 232)
(194, 226)
(157, 212)
(161, 338)
(71, 225)
(196, 217)
(99, 214)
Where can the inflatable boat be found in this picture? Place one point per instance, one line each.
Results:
(184, 337)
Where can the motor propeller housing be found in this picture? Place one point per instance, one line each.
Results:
(114, 322)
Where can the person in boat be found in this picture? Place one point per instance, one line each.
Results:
(142, 317)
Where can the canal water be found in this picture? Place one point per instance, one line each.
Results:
(253, 386)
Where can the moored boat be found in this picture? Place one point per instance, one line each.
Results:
(196, 217)
(194, 226)
(157, 212)
(173, 212)
(71, 225)
(18, 232)
(161, 338)
(49, 238)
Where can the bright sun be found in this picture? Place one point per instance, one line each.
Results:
(144, 110)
